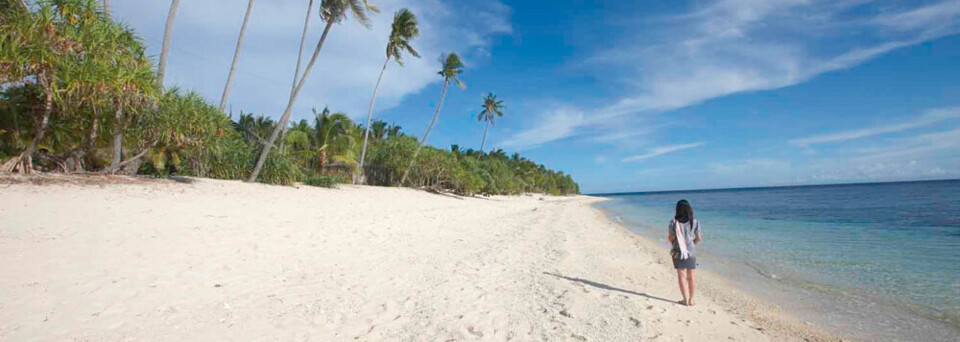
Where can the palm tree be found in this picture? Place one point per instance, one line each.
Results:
(303, 41)
(106, 7)
(336, 138)
(452, 68)
(491, 110)
(332, 11)
(378, 129)
(296, 72)
(394, 130)
(455, 149)
(236, 57)
(404, 29)
(165, 49)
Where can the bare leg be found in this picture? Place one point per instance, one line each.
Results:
(682, 279)
(690, 283)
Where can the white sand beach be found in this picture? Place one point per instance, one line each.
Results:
(159, 260)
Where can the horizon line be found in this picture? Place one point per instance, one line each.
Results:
(606, 194)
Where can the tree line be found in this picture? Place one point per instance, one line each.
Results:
(79, 94)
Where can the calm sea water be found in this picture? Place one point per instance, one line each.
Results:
(872, 261)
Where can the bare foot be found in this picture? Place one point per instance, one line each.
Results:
(682, 302)
(690, 302)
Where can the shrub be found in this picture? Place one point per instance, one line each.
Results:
(279, 170)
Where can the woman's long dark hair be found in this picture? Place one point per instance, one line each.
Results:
(684, 212)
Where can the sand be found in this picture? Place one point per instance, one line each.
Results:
(199, 260)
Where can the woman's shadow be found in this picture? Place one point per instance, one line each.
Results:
(608, 287)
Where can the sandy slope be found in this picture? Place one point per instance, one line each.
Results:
(220, 260)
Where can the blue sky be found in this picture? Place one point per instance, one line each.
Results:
(625, 96)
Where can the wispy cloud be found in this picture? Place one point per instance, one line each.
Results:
(735, 46)
(914, 147)
(659, 151)
(552, 125)
(729, 47)
(929, 118)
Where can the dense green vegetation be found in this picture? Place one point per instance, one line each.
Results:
(78, 94)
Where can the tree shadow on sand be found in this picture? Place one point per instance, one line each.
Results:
(608, 287)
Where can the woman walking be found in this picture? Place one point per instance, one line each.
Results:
(684, 234)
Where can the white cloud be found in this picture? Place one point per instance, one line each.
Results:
(735, 46)
(920, 146)
(659, 151)
(552, 125)
(937, 16)
(929, 118)
(347, 68)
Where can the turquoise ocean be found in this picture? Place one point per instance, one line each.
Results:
(876, 262)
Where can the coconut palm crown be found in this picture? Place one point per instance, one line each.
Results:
(452, 68)
(492, 109)
(335, 11)
(403, 31)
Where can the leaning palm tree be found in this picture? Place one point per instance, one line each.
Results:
(404, 29)
(236, 57)
(452, 68)
(331, 11)
(165, 49)
(492, 109)
(303, 41)
(296, 72)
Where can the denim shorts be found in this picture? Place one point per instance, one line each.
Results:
(687, 264)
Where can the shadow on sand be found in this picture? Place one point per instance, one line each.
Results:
(610, 288)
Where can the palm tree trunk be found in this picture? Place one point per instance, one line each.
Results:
(296, 73)
(366, 132)
(484, 141)
(283, 139)
(290, 103)
(117, 137)
(303, 41)
(443, 93)
(106, 7)
(165, 50)
(236, 57)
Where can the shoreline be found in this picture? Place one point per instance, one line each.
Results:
(771, 319)
(115, 258)
(852, 312)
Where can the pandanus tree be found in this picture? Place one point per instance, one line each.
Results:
(236, 57)
(492, 109)
(331, 11)
(34, 45)
(403, 30)
(452, 68)
(131, 85)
